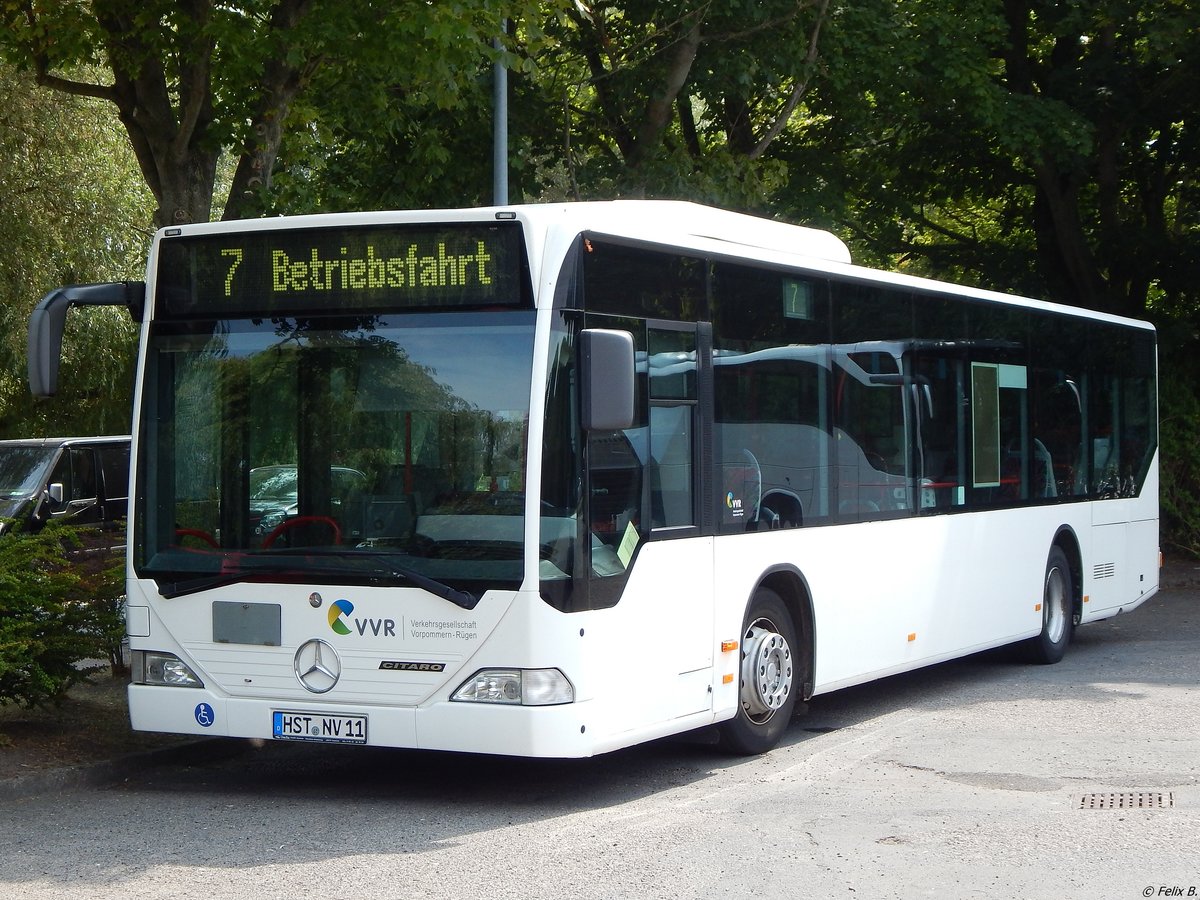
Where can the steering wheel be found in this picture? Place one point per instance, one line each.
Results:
(296, 521)
(200, 535)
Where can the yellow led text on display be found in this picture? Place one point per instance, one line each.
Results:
(371, 271)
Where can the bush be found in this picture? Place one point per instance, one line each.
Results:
(1179, 428)
(101, 568)
(57, 609)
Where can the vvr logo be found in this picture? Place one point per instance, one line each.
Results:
(337, 609)
(342, 608)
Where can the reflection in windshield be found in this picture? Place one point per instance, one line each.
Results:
(274, 496)
(297, 441)
(273, 484)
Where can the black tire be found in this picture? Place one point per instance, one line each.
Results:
(1058, 611)
(771, 677)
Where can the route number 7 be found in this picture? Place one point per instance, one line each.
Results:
(236, 256)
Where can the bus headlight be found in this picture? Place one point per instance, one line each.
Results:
(516, 687)
(166, 669)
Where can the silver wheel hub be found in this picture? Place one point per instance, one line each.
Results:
(766, 671)
(1055, 605)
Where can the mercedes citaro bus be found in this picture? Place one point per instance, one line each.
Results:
(621, 470)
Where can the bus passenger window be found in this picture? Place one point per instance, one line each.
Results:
(1057, 426)
(871, 436)
(940, 456)
(742, 498)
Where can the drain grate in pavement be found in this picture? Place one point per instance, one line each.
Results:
(1127, 800)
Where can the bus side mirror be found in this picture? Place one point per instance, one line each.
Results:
(606, 363)
(47, 320)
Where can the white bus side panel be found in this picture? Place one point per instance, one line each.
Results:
(1123, 571)
(892, 596)
(648, 660)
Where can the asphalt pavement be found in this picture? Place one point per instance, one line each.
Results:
(1177, 575)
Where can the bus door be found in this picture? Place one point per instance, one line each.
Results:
(645, 490)
(644, 482)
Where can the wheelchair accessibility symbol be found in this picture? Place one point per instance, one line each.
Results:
(205, 715)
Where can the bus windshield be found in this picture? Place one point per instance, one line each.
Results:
(337, 449)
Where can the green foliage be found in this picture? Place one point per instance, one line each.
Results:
(54, 612)
(1179, 453)
(652, 99)
(194, 80)
(405, 121)
(1031, 145)
(72, 209)
(596, 110)
(100, 567)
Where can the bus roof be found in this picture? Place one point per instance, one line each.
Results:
(653, 220)
(687, 225)
(648, 220)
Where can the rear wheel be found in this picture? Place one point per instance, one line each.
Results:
(1058, 611)
(770, 676)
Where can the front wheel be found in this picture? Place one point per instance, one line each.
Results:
(770, 676)
(1058, 611)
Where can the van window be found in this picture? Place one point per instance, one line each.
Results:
(83, 474)
(23, 470)
(114, 466)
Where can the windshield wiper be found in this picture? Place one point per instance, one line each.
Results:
(465, 599)
(185, 586)
(172, 589)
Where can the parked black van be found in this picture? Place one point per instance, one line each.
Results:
(81, 480)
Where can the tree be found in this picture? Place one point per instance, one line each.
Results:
(662, 99)
(1045, 146)
(194, 78)
(72, 210)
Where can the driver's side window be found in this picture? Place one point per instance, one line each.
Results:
(61, 474)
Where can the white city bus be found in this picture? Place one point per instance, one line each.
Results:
(554, 480)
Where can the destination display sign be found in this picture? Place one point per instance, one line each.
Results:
(353, 269)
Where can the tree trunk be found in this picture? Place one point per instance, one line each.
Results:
(1063, 243)
(280, 83)
(658, 110)
(168, 129)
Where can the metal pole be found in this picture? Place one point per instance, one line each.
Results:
(500, 127)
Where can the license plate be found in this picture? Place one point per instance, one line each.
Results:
(302, 726)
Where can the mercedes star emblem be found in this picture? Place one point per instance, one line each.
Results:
(317, 666)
